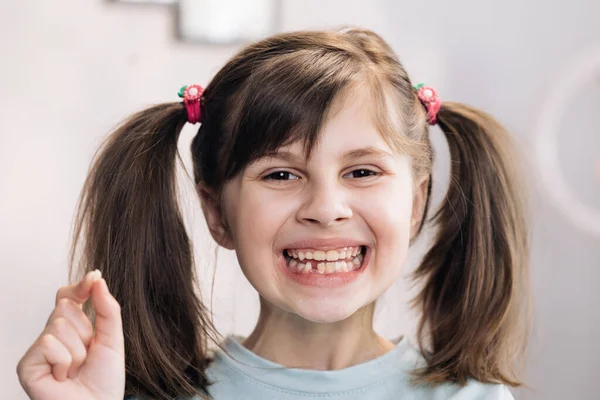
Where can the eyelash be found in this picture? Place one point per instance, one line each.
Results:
(283, 172)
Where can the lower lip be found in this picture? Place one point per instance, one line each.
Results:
(336, 279)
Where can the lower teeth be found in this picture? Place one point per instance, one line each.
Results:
(315, 267)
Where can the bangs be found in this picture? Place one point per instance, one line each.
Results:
(286, 100)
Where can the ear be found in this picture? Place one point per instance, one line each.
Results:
(419, 203)
(215, 219)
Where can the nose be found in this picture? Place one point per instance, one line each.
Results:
(324, 205)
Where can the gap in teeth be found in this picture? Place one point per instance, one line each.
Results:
(345, 253)
(352, 263)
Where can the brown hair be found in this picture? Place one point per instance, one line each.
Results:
(271, 93)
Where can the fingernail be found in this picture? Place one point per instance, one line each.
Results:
(96, 275)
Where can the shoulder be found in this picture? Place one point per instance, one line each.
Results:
(473, 390)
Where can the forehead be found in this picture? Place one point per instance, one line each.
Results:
(350, 124)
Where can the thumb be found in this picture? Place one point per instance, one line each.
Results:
(109, 325)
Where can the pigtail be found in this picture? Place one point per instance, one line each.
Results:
(475, 295)
(130, 227)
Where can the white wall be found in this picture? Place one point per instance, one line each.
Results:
(71, 69)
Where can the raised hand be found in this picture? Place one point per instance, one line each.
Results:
(71, 361)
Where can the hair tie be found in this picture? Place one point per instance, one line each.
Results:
(430, 99)
(191, 98)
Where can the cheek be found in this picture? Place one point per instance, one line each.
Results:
(387, 212)
(261, 215)
(258, 221)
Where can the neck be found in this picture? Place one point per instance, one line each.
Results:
(290, 340)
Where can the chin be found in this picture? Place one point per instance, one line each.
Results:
(325, 314)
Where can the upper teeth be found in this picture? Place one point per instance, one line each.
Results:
(320, 255)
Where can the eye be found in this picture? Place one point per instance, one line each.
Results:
(280, 176)
(361, 173)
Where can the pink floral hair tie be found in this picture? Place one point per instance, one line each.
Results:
(192, 95)
(430, 99)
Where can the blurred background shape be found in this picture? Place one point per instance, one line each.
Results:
(574, 95)
(223, 21)
(226, 21)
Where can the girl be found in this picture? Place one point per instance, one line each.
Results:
(313, 162)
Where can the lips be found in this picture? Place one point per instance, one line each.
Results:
(324, 276)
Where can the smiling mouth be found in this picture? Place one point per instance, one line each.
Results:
(313, 261)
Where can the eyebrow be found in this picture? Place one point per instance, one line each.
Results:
(367, 152)
(352, 154)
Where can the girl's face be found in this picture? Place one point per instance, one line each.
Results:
(326, 236)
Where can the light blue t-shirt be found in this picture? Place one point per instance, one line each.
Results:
(244, 375)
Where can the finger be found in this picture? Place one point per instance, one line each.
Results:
(50, 351)
(64, 331)
(79, 292)
(109, 326)
(70, 310)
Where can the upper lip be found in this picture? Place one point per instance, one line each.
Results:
(323, 244)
